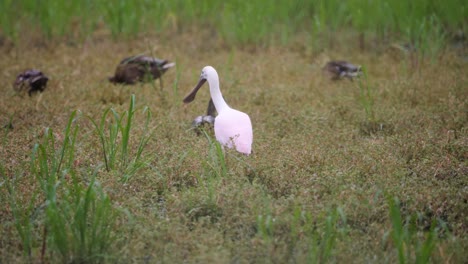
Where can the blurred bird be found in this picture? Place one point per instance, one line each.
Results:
(339, 69)
(207, 119)
(31, 81)
(202, 120)
(233, 128)
(140, 68)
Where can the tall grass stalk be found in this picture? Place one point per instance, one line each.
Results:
(108, 144)
(93, 218)
(266, 220)
(175, 85)
(429, 37)
(112, 147)
(323, 240)
(265, 226)
(138, 162)
(22, 216)
(411, 248)
(5, 129)
(366, 96)
(78, 215)
(59, 162)
(217, 161)
(47, 165)
(125, 130)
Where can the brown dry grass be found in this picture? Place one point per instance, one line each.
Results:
(312, 148)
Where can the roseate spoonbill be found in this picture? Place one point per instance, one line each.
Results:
(340, 69)
(30, 80)
(233, 128)
(140, 68)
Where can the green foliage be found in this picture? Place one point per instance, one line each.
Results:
(8, 23)
(117, 140)
(49, 165)
(424, 23)
(366, 97)
(309, 192)
(312, 238)
(217, 162)
(76, 216)
(175, 86)
(323, 239)
(120, 19)
(410, 246)
(428, 37)
(22, 220)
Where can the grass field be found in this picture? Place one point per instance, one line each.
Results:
(373, 170)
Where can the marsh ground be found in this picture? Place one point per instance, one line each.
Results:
(327, 155)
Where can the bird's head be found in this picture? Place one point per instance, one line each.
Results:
(207, 73)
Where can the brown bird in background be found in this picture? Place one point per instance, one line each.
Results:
(30, 80)
(340, 69)
(140, 68)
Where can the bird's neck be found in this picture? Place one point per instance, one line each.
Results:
(216, 95)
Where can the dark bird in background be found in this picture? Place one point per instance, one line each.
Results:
(140, 68)
(340, 69)
(207, 119)
(31, 80)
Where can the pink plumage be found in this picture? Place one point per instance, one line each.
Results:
(233, 128)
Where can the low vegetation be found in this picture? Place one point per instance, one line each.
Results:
(372, 170)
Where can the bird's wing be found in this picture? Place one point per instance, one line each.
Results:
(234, 128)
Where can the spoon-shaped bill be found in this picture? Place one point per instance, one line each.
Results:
(191, 96)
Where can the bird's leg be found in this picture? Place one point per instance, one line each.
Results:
(160, 83)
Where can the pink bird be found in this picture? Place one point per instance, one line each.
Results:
(233, 128)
